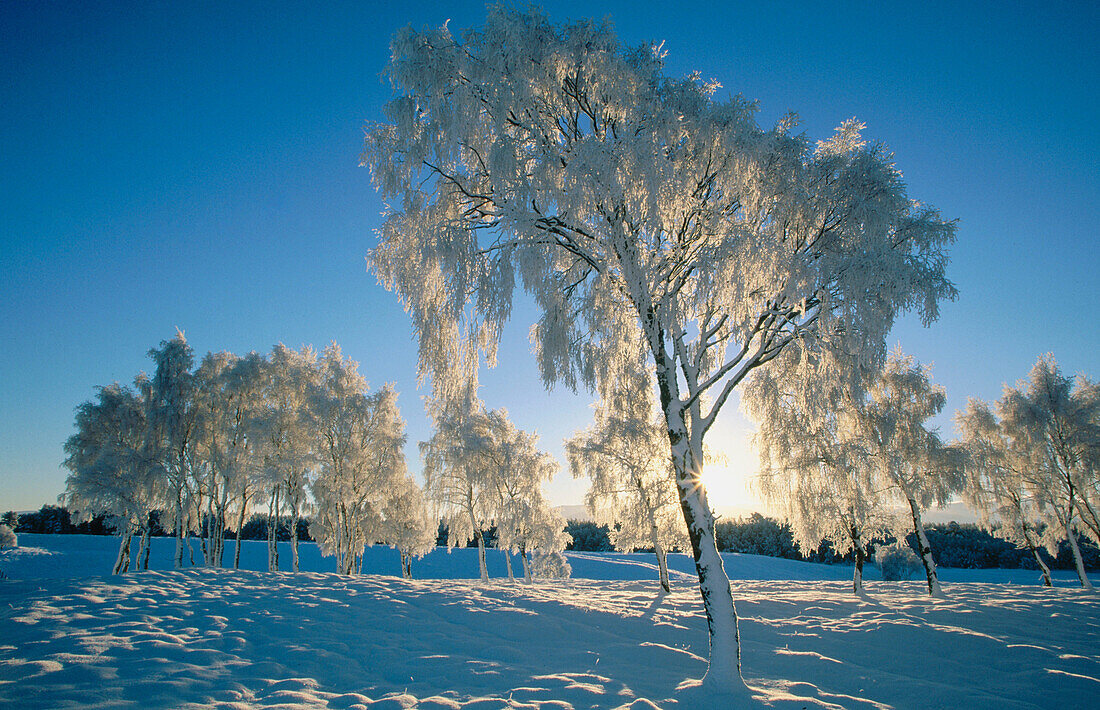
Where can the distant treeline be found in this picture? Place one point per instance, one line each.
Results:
(56, 519)
(953, 544)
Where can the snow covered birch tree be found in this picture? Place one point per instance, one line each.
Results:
(228, 395)
(408, 524)
(458, 481)
(1060, 416)
(171, 431)
(108, 471)
(288, 429)
(516, 469)
(626, 457)
(647, 219)
(1046, 442)
(813, 467)
(909, 459)
(362, 439)
(998, 483)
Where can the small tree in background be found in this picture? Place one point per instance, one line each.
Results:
(897, 562)
(626, 457)
(286, 430)
(907, 458)
(109, 472)
(517, 471)
(1043, 447)
(458, 480)
(362, 459)
(171, 433)
(998, 484)
(408, 524)
(814, 467)
(8, 537)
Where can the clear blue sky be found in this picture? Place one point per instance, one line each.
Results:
(195, 165)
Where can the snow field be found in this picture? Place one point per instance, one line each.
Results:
(246, 639)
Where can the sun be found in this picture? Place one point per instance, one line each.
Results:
(727, 477)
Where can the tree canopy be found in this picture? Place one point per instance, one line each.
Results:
(657, 227)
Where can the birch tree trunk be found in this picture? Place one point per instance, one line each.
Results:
(1038, 558)
(934, 588)
(508, 565)
(860, 554)
(272, 524)
(146, 543)
(1081, 574)
(662, 561)
(240, 526)
(724, 672)
(179, 529)
(122, 561)
(143, 539)
(219, 555)
(295, 517)
(481, 555)
(526, 564)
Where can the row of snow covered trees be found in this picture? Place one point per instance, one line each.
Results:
(841, 467)
(1031, 470)
(296, 432)
(283, 433)
(481, 471)
(1033, 467)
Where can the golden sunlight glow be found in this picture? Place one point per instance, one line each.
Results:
(727, 478)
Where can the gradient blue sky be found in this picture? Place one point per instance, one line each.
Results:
(195, 165)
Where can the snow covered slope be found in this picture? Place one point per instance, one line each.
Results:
(243, 639)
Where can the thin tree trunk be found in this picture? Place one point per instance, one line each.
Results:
(143, 539)
(484, 570)
(206, 530)
(934, 588)
(223, 506)
(508, 564)
(122, 562)
(179, 529)
(146, 542)
(272, 524)
(406, 565)
(1047, 582)
(724, 671)
(860, 554)
(526, 564)
(295, 505)
(662, 561)
(1081, 574)
(240, 527)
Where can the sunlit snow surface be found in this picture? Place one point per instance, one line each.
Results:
(220, 638)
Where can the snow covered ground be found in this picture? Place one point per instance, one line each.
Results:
(72, 637)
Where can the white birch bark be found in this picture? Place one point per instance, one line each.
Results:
(482, 568)
(860, 555)
(1047, 582)
(526, 565)
(122, 561)
(1077, 561)
(925, 549)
